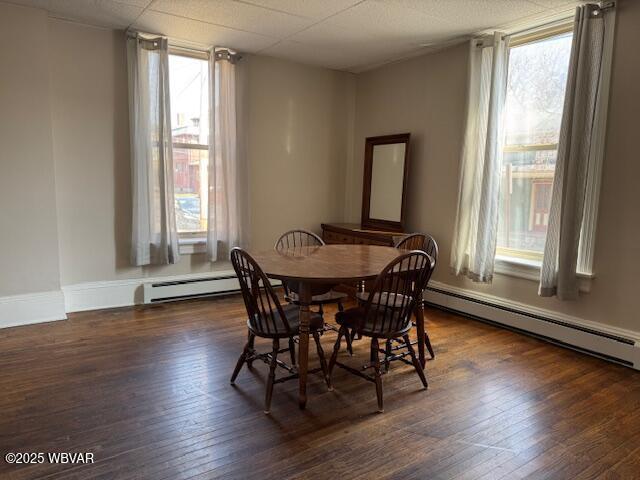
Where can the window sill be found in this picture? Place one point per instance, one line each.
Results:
(530, 270)
(518, 267)
(192, 245)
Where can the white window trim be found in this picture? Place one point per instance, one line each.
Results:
(530, 269)
(190, 146)
(189, 244)
(517, 267)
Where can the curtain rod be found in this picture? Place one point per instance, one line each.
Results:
(548, 24)
(602, 7)
(226, 54)
(221, 53)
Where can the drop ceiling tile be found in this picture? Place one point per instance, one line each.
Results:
(331, 35)
(361, 46)
(241, 16)
(557, 3)
(316, 9)
(389, 22)
(340, 59)
(368, 62)
(309, 54)
(136, 3)
(470, 15)
(105, 13)
(96, 12)
(42, 4)
(201, 32)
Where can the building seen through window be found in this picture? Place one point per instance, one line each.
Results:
(536, 85)
(189, 85)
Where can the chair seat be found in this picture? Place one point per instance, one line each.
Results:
(396, 300)
(353, 317)
(292, 314)
(328, 297)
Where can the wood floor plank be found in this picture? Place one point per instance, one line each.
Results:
(146, 389)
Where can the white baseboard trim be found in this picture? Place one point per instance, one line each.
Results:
(120, 293)
(97, 295)
(612, 343)
(31, 308)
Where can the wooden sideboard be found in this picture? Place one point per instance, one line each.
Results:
(345, 233)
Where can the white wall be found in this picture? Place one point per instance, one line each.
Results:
(28, 227)
(298, 132)
(296, 145)
(65, 167)
(426, 96)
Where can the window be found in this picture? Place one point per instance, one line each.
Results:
(536, 81)
(189, 92)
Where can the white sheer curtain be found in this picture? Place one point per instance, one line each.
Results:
(228, 172)
(578, 147)
(475, 234)
(154, 235)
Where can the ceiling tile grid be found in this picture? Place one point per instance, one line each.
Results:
(316, 9)
(104, 13)
(341, 34)
(238, 15)
(470, 15)
(188, 30)
(387, 22)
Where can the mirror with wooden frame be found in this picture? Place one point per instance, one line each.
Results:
(384, 192)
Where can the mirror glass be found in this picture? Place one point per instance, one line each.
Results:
(387, 176)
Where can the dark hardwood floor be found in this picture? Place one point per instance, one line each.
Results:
(146, 390)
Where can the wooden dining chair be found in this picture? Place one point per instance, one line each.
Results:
(267, 318)
(386, 314)
(426, 243)
(419, 241)
(414, 241)
(321, 294)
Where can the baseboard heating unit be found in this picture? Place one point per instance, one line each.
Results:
(604, 341)
(190, 288)
(219, 283)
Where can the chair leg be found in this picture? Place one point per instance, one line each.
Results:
(336, 348)
(427, 341)
(241, 360)
(323, 360)
(376, 364)
(272, 376)
(321, 310)
(347, 337)
(419, 313)
(414, 360)
(387, 354)
(251, 343)
(354, 333)
(292, 350)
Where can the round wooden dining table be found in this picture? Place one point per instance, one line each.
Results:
(322, 265)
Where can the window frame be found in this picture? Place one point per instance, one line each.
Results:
(525, 263)
(523, 268)
(191, 242)
(508, 260)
